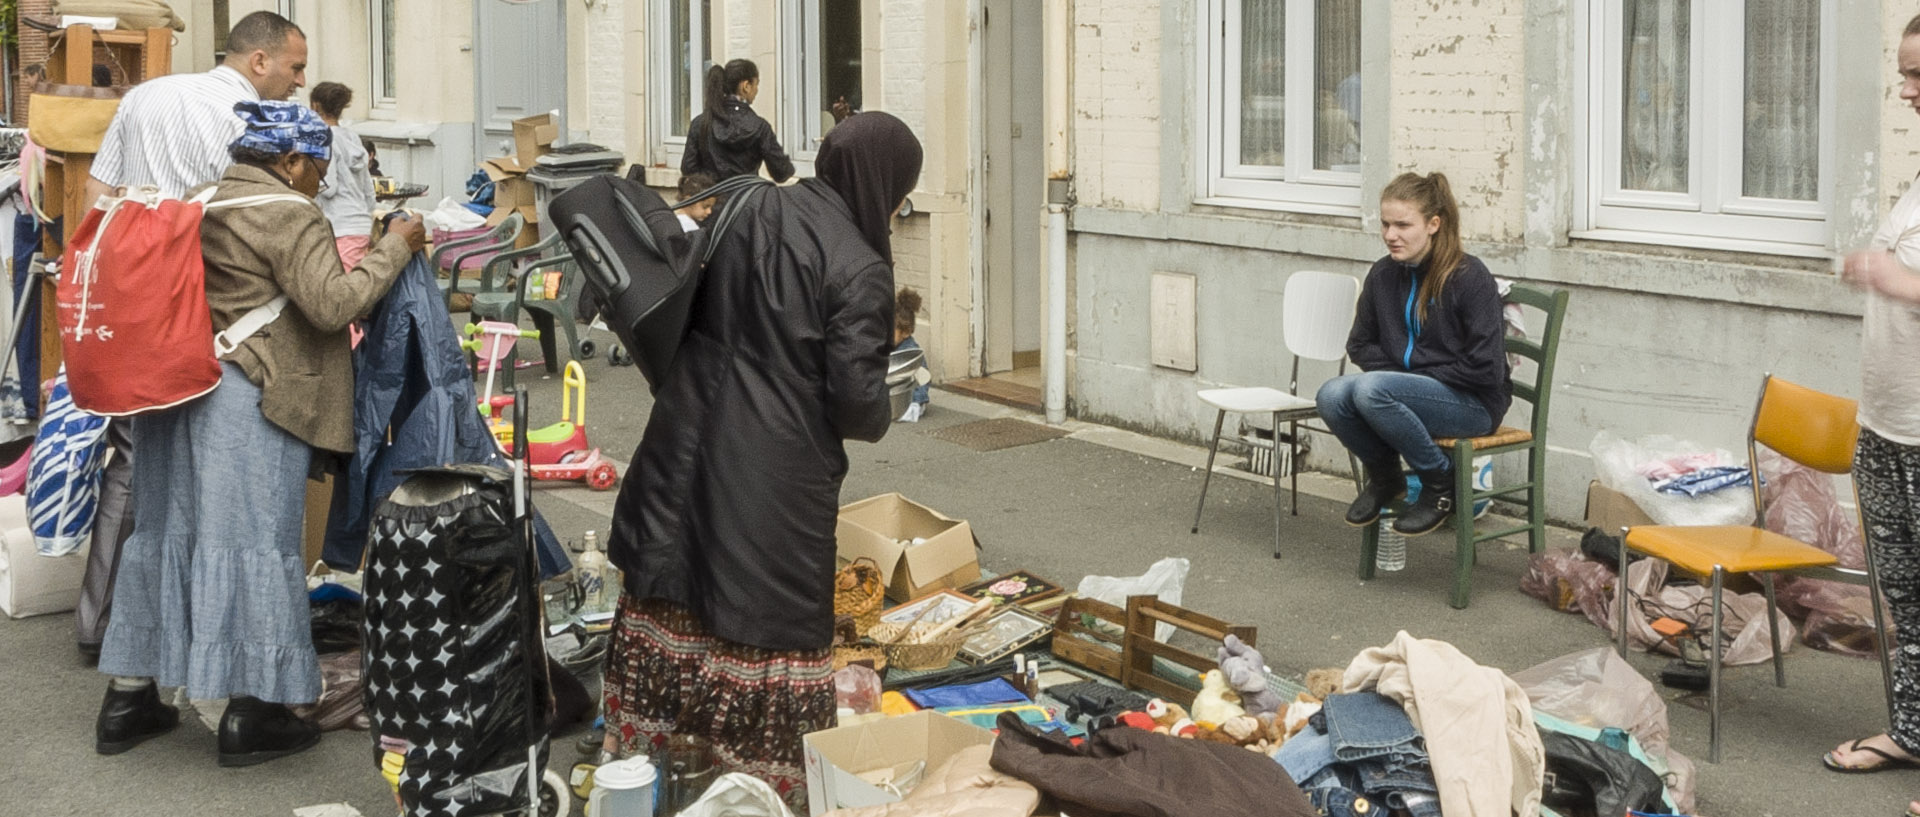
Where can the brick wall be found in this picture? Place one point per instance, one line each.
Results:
(904, 38)
(608, 68)
(1458, 98)
(1116, 103)
(33, 51)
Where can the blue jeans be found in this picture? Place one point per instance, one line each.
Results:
(1377, 415)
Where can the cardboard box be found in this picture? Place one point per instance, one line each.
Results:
(533, 136)
(844, 764)
(875, 527)
(32, 584)
(1609, 510)
(511, 191)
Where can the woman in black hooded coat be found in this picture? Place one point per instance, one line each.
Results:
(725, 524)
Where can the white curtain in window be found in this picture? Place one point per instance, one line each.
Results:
(1336, 84)
(1263, 30)
(1781, 142)
(1655, 103)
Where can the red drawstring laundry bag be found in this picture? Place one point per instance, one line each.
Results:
(134, 324)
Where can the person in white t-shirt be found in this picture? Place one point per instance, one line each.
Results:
(1886, 466)
(695, 214)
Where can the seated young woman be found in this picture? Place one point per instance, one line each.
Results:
(1428, 339)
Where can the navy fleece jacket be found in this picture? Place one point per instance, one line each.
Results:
(1461, 343)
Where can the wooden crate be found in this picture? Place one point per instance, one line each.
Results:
(1076, 643)
(1139, 649)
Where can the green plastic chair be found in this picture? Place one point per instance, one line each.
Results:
(554, 317)
(500, 238)
(1532, 439)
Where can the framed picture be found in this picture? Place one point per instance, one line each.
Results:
(945, 604)
(1014, 587)
(1006, 630)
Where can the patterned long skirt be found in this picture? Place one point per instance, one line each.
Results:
(666, 675)
(1888, 474)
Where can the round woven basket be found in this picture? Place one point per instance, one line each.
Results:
(859, 592)
(846, 654)
(934, 654)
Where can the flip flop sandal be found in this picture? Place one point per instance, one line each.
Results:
(1887, 762)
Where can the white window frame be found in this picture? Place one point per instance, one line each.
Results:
(1715, 213)
(665, 55)
(1295, 185)
(800, 25)
(377, 57)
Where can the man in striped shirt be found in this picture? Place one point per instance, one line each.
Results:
(172, 132)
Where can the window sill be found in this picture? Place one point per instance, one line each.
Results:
(1704, 242)
(1270, 205)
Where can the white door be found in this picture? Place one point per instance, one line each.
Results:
(1014, 182)
(520, 67)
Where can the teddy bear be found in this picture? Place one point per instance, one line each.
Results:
(1217, 701)
(1323, 682)
(1246, 672)
(1170, 718)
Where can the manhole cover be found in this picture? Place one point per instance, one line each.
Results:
(993, 435)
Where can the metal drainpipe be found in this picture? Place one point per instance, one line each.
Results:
(1056, 342)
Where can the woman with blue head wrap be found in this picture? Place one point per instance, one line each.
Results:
(211, 592)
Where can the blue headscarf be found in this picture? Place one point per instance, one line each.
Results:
(280, 127)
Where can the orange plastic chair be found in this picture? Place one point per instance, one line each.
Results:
(1813, 428)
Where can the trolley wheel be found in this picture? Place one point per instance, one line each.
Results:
(587, 348)
(555, 799)
(602, 477)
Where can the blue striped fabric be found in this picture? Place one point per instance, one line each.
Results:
(63, 476)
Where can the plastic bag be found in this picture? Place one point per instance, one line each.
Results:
(340, 705)
(1570, 582)
(856, 688)
(1625, 467)
(1802, 503)
(738, 795)
(450, 215)
(1598, 688)
(1745, 616)
(1165, 579)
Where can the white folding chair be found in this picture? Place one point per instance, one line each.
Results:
(1317, 313)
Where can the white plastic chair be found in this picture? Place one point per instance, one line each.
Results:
(1317, 313)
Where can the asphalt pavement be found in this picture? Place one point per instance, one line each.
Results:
(1099, 501)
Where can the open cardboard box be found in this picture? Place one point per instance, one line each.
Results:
(874, 528)
(846, 765)
(1609, 510)
(533, 137)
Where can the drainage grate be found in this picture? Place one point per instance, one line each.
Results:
(993, 435)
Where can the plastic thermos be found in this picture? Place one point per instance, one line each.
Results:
(623, 788)
(596, 596)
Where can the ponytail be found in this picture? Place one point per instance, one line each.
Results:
(724, 81)
(1432, 196)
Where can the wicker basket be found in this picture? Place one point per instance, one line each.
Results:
(904, 652)
(858, 591)
(849, 653)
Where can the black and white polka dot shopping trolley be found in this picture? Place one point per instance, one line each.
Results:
(455, 666)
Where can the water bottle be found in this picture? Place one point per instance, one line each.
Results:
(1391, 554)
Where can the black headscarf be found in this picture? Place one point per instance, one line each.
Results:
(873, 161)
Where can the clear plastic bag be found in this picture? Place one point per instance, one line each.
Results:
(1569, 581)
(1598, 688)
(1623, 466)
(858, 688)
(341, 705)
(1802, 503)
(1165, 579)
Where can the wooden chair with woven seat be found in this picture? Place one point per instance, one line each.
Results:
(1812, 428)
(1532, 440)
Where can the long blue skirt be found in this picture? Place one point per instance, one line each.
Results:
(212, 592)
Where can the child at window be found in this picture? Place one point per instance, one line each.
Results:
(906, 305)
(692, 215)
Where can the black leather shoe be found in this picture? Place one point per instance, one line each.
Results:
(1385, 483)
(254, 731)
(1432, 509)
(129, 717)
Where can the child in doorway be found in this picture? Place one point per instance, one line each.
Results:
(906, 306)
(692, 215)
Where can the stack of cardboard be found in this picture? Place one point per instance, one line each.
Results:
(533, 136)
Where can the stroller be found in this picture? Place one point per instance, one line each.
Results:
(455, 662)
